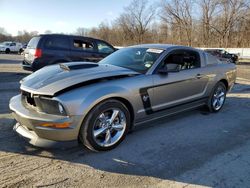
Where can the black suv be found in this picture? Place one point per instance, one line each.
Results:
(223, 55)
(49, 49)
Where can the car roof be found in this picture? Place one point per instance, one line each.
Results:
(213, 49)
(56, 34)
(161, 46)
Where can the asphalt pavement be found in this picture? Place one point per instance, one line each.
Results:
(191, 149)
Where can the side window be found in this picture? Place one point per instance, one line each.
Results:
(13, 44)
(57, 42)
(83, 45)
(104, 48)
(211, 60)
(182, 60)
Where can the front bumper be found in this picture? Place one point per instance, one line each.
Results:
(29, 121)
(33, 139)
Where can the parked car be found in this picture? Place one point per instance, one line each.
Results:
(8, 47)
(223, 55)
(98, 103)
(51, 49)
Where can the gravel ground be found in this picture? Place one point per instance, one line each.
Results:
(188, 150)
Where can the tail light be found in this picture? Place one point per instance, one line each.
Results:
(38, 53)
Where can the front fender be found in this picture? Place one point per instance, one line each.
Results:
(101, 94)
(81, 100)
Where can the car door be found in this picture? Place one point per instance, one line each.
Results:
(13, 47)
(83, 49)
(184, 85)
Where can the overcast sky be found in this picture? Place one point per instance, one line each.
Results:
(57, 15)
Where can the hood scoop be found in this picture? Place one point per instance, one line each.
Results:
(77, 66)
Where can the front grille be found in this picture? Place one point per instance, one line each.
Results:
(28, 98)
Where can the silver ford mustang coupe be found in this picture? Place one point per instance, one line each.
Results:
(98, 104)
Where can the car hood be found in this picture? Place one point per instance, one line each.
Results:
(53, 79)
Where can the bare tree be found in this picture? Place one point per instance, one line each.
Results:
(209, 10)
(25, 36)
(136, 19)
(4, 35)
(3, 31)
(81, 31)
(231, 12)
(178, 14)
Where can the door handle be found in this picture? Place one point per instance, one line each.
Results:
(199, 76)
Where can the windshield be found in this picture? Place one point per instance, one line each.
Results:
(137, 59)
(6, 43)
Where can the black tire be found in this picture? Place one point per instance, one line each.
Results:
(86, 133)
(7, 51)
(212, 98)
(20, 51)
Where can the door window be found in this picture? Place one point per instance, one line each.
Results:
(57, 43)
(182, 60)
(83, 45)
(104, 48)
(211, 60)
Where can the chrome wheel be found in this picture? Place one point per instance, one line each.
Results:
(218, 98)
(109, 127)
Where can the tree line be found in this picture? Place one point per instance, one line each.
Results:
(199, 23)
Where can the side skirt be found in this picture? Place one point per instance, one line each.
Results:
(172, 111)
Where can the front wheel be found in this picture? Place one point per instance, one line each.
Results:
(105, 126)
(7, 51)
(217, 97)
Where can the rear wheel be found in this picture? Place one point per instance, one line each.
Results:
(217, 97)
(105, 126)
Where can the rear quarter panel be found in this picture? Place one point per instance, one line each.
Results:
(222, 71)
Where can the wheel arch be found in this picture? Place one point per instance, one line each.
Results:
(225, 82)
(120, 99)
(129, 106)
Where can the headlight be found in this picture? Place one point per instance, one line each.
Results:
(51, 106)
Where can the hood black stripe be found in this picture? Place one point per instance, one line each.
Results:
(94, 81)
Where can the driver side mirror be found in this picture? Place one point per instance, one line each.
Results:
(173, 67)
(163, 70)
(169, 68)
